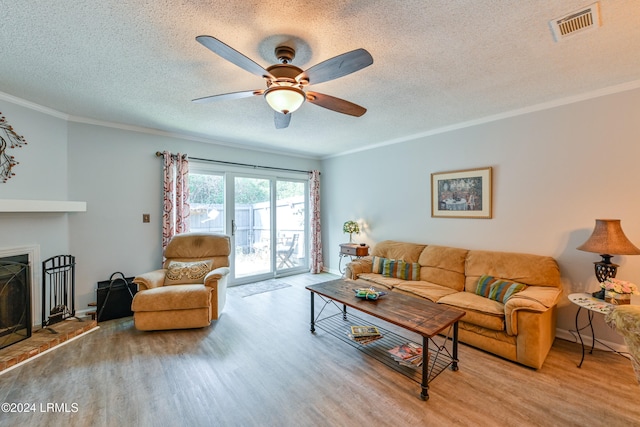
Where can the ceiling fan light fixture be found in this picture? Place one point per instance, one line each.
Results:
(284, 99)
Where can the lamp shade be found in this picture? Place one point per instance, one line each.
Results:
(608, 238)
(284, 99)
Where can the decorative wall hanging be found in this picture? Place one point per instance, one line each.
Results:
(461, 194)
(10, 139)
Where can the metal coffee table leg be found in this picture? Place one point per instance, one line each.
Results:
(424, 385)
(313, 323)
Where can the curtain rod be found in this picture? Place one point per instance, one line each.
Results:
(158, 154)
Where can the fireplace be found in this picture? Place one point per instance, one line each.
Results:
(15, 299)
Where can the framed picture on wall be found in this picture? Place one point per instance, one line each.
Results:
(461, 194)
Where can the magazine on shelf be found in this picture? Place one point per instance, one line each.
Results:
(408, 354)
(365, 340)
(364, 331)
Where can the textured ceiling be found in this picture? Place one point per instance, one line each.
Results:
(436, 63)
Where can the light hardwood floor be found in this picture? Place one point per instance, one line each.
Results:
(260, 366)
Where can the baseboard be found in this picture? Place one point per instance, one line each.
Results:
(600, 344)
(332, 271)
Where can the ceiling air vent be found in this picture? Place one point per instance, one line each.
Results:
(585, 19)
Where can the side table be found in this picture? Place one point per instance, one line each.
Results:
(592, 305)
(351, 250)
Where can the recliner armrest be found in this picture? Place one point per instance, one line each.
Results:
(216, 274)
(150, 280)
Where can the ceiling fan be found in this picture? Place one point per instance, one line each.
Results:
(286, 83)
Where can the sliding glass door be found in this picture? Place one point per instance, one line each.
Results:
(251, 226)
(290, 225)
(266, 217)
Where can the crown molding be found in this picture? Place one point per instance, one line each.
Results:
(33, 106)
(624, 87)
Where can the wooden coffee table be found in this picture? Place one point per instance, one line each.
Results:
(414, 314)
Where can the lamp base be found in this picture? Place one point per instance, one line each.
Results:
(605, 269)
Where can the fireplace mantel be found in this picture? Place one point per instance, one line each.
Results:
(11, 205)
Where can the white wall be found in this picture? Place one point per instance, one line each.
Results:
(554, 172)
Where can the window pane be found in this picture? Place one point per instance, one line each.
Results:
(253, 226)
(206, 198)
(290, 220)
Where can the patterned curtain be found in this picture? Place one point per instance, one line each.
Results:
(175, 208)
(182, 194)
(316, 241)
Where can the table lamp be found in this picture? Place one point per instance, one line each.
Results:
(608, 239)
(351, 227)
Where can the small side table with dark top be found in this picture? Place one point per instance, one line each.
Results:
(352, 250)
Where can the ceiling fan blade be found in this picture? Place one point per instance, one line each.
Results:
(335, 104)
(281, 120)
(336, 67)
(224, 96)
(233, 56)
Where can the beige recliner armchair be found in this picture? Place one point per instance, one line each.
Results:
(190, 290)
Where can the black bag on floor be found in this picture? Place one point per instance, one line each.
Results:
(115, 296)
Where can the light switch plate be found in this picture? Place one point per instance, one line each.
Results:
(146, 218)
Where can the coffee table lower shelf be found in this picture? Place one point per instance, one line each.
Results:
(339, 325)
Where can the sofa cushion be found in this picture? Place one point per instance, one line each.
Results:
(392, 249)
(179, 273)
(443, 266)
(528, 269)
(379, 279)
(400, 269)
(497, 290)
(480, 311)
(423, 289)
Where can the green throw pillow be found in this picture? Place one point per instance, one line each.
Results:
(400, 269)
(484, 285)
(496, 289)
(377, 264)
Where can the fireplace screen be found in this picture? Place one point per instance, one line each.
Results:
(15, 300)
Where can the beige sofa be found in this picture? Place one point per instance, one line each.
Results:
(521, 329)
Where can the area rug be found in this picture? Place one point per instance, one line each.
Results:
(257, 288)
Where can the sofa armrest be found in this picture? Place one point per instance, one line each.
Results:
(357, 267)
(150, 280)
(533, 298)
(544, 295)
(212, 277)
